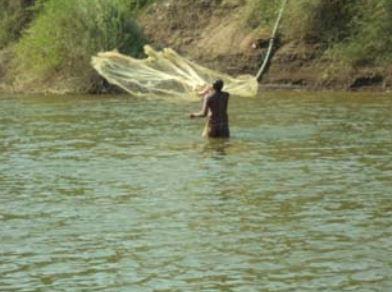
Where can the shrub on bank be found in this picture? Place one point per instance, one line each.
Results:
(371, 40)
(53, 40)
(357, 31)
(14, 16)
(65, 34)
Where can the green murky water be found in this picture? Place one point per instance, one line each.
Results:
(118, 193)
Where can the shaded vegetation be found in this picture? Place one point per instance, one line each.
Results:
(357, 31)
(52, 41)
(14, 17)
(65, 34)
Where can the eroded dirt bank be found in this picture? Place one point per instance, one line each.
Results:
(230, 36)
(220, 35)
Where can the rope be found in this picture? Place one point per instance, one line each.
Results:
(263, 67)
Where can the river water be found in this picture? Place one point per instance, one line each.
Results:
(119, 193)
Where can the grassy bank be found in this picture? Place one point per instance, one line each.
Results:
(321, 43)
(47, 44)
(54, 49)
(345, 44)
(358, 31)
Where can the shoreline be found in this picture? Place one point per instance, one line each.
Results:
(224, 37)
(263, 87)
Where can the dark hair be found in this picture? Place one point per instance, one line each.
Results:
(218, 85)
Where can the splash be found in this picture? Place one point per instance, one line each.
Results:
(166, 73)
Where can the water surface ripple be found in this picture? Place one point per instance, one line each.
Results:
(119, 193)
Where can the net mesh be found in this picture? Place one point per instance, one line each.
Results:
(166, 73)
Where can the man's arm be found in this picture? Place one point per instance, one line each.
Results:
(207, 89)
(203, 112)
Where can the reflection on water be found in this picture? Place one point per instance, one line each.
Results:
(216, 148)
(118, 193)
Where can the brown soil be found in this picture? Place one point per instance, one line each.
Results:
(219, 35)
(215, 33)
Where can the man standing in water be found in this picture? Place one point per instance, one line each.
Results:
(215, 106)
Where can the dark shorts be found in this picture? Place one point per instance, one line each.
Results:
(216, 131)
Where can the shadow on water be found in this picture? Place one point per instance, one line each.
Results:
(216, 148)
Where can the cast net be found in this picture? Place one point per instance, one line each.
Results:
(166, 73)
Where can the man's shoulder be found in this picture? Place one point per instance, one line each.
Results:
(218, 95)
(222, 93)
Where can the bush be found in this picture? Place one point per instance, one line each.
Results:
(319, 21)
(325, 21)
(14, 16)
(261, 13)
(64, 36)
(371, 43)
(355, 31)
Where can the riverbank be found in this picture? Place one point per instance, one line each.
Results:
(223, 36)
(317, 47)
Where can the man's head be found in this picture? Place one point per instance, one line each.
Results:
(218, 85)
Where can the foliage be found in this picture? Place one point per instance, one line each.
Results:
(322, 21)
(14, 16)
(358, 31)
(260, 13)
(66, 34)
(371, 41)
(58, 37)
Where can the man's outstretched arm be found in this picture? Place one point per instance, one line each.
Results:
(203, 112)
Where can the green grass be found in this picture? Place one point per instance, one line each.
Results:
(261, 13)
(14, 17)
(65, 34)
(370, 41)
(50, 38)
(357, 31)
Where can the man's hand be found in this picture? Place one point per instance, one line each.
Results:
(192, 115)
